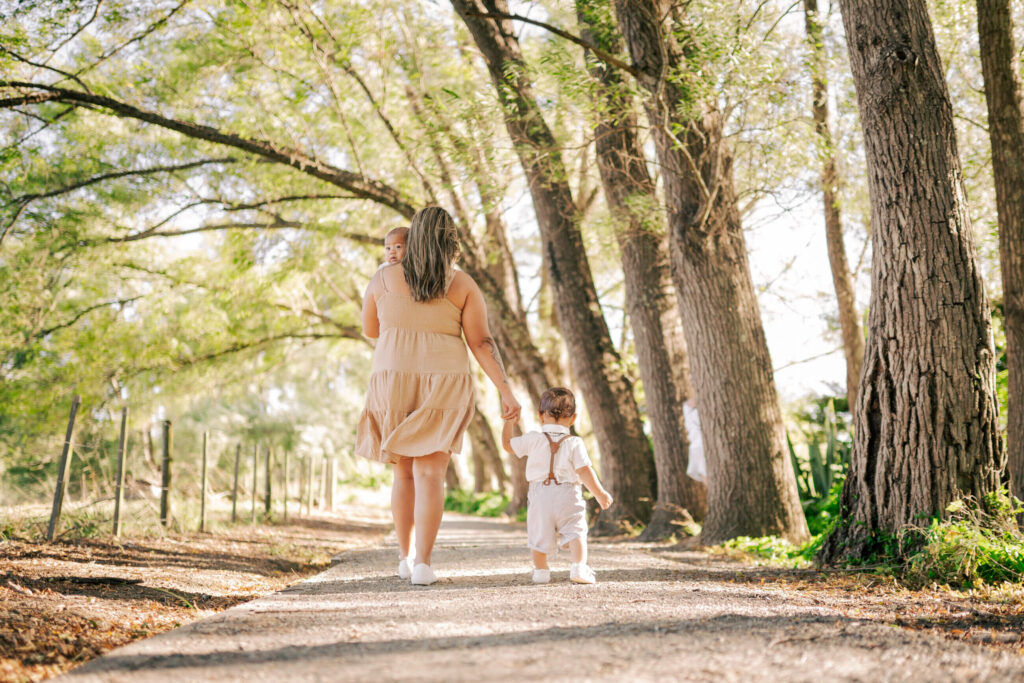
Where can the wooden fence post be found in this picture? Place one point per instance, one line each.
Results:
(165, 479)
(330, 484)
(63, 471)
(119, 493)
(234, 487)
(309, 485)
(267, 505)
(284, 487)
(255, 473)
(323, 483)
(202, 495)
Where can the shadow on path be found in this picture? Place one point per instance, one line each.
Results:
(650, 617)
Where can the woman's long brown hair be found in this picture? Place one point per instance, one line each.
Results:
(431, 248)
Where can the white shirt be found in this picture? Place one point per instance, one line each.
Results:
(571, 456)
(697, 469)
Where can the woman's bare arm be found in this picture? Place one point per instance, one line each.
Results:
(484, 348)
(371, 324)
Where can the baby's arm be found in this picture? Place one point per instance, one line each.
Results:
(508, 431)
(589, 479)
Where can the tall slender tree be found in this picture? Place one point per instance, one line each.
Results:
(751, 486)
(926, 425)
(831, 182)
(626, 457)
(1000, 63)
(632, 199)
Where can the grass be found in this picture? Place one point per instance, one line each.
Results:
(140, 518)
(771, 550)
(486, 504)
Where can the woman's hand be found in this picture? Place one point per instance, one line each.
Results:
(510, 408)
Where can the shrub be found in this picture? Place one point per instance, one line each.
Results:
(486, 504)
(977, 543)
(820, 475)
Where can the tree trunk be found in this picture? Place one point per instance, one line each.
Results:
(452, 481)
(926, 432)
(148, 449)
(481, 482)
(486, 457)
(481, 440)
(492, 457)
(675, 339)
(626, 458)
(751, 487)
(842, 280)
(999, 62)
(632, 200)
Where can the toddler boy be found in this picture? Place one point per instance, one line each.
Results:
(556, 464)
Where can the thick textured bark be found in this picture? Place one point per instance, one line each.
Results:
(842, 280)
(631, 196)
(675, 339)
(999, 62)
(926, 429)
(751, 487)
(626, 458)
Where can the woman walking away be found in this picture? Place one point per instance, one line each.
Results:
(420, 399)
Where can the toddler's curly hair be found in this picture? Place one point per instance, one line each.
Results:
(558, 402)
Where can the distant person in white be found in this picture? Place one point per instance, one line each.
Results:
(697, 466)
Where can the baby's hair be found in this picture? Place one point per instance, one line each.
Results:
(400, 233)
(558, 402)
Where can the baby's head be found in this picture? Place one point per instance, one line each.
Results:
(558, 406)
(394, 245)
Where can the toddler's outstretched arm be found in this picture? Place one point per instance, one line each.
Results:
(508, 430)
(589, 479)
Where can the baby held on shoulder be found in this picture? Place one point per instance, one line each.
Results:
(557, 465)
(394, 245)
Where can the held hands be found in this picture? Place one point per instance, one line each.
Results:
(510, 408)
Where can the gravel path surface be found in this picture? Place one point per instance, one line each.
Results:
(652, 616)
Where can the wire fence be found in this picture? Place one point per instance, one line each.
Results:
(138, 481)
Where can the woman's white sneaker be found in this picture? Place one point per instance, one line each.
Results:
(423, 575)
(581, 573)
(405, 568)
(542, 576)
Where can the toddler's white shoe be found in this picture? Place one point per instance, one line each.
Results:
(423, 575)
(541, 575)
(581, 573)
(405, 568)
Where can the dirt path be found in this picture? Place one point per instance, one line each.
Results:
(653, 615)
(65, 603)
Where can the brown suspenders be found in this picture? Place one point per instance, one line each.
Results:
(554, 445)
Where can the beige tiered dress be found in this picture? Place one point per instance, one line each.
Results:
(421, 395)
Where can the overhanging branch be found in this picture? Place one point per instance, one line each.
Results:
(26, 198)
(360, 186)
(605, 57)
